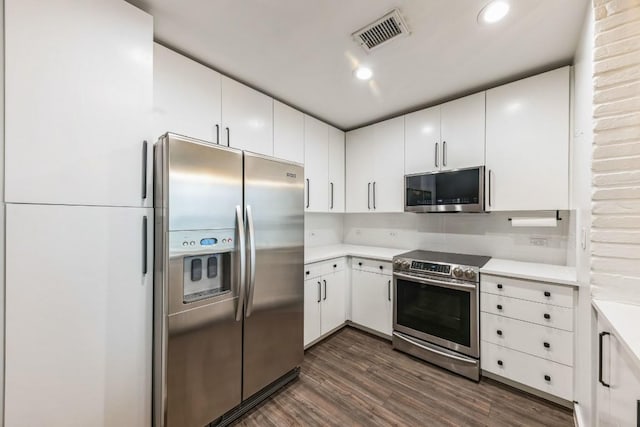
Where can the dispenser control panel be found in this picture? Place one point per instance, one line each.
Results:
(220, 240)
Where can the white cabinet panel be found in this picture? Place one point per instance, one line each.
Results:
(316, 164)
(78, 316)
(371, 296)
(462, 130)
(336, 170)
(527, 143)
(359, 158)
(186, 96)
(312, 300)
(387, 192)
(79, 83)
(529, 290)
(333, 310)
(541, 314)
(247, 118)
(288, 133)
(422, 146)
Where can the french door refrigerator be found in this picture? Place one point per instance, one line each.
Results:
(228, 293)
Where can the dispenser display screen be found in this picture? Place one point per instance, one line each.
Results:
(209, 241)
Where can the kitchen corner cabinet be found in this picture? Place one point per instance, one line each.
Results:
(78, 102)
(288, 133)
(247, 118)
(336, 170)
(618, 388)
(527, 143)
(375, 167)
(186, 97)
(372, 295)
(324, 298)
(316, 162)
(79, 326)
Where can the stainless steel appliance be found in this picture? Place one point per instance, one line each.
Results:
(460, 190)
(436, 314)
(228, 300)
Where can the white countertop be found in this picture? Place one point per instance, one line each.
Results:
(624, 319)
(533, 271)
(321, 253)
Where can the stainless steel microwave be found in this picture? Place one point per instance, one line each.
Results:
(459, 190)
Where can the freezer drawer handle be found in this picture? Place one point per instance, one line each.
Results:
(252, 260)
(144, 169)
(144, 246)
(600, 338)
(242, 252)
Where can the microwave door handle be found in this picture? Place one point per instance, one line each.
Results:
(240, 238)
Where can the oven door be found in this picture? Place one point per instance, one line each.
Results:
(441, 312)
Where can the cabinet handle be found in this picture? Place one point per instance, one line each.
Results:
(360, 264)
(325, 290)
(228, 137)
(489, 176)
(335, 265)
(332, 195)
(547, 345)
(444, 153)
(308, 192)
(144, 246)
(307, 272)
(389, 290)
(144, 169)
(217, 134)
(547, 316)
(547, 294)
(547, 378)
(319, 292)
(436, 156)
(499, 285)
(499, 306)
(600, 338)
(368, 195)
(499, 332)
(500, 363)
(374, 195)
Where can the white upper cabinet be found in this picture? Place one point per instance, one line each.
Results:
(316, 165)
(186, 97)
(359, 159)
(527, 148)
(422, 141)
(336, 170)
(462, 132)
(288, 133)
(78, 102)
(247, 118)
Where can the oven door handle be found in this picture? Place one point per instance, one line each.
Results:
(435, 282)
(433, 350)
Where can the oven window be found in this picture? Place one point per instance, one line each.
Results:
(440, 312)
(450, 188)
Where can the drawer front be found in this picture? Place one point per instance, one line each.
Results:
(541, 341)
(541, 314)
(528, 290)
(543, 375)
(372, 265)
(318, 269)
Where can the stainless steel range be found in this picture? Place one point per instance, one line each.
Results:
(436, 315)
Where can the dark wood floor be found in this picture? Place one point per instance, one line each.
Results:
(355, 379)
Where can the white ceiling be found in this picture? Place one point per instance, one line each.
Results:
(301, 51)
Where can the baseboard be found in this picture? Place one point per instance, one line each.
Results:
(578, 418)
(369, 330)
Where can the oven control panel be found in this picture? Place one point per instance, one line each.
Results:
(431, 267)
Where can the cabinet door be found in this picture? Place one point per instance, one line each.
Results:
(387, 191)
(369, 300)
(247, 118)
(316, 165)
(186, 96)
(359, 169)
(462, 130)
(527, 150)
(78, 102)
(336, 170)
(333, 310)
(422, 147)
(312, 300)
(625, 386)
(78, 316)
(288, 133)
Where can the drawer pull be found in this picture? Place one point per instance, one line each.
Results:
(547, 294)
(499, 286)
(547, 316)
(335, 265)
(547, 378)
(500, 363)
(307, 273)
(381, 268)
(499, 332)
(360, 264)
(499, 306)
(547, 345)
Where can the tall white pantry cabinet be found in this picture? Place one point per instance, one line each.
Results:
(79, 213)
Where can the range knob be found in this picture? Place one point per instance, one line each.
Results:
(397, 263)
(470, 274)
(457, 272)
(405, 264)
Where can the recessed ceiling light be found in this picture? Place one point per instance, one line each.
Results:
(493, 12)
(363, 73)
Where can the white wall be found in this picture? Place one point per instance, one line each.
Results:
(482, 234)
(582, 145)
(322, 229)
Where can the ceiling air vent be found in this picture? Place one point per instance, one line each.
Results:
(390, 27)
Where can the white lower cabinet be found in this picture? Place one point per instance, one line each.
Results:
(325, 288)
(78, 316)
(618, 388)
(527, 333)
(372, 296)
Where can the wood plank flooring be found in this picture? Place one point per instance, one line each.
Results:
(355, 379)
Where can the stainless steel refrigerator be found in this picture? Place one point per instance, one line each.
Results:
(228, 293)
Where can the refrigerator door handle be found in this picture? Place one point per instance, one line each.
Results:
(252, 260)
(243, 262)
